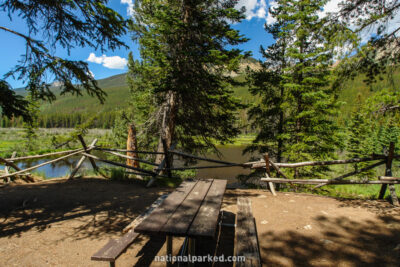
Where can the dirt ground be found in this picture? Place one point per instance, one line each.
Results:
(59, 223)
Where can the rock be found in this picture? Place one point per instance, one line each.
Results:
(326, 241)
(264, 222)
(308, 227)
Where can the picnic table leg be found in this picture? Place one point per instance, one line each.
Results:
(169, 250)
(192, 247)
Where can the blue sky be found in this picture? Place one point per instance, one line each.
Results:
(114, 62)
(110, 63)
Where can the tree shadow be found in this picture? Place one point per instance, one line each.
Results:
(343, 242)
(110, 206)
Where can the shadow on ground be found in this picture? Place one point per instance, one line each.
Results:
(111, 206)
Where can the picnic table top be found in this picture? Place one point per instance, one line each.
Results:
(191, 210)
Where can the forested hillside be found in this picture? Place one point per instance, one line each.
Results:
(66, 111)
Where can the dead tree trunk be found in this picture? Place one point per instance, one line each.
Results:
(131, 145)
(167, 126)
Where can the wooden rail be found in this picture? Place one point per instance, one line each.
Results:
(165, 167)
(261, 163)
(328, 181)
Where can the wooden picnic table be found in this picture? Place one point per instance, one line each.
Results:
(191, 211)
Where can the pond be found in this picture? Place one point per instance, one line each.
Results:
(228, 153)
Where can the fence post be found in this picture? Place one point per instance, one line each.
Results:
(167, 158)
(388, 172)
(88, 152)
(268, 173)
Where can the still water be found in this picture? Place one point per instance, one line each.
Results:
(229, 153)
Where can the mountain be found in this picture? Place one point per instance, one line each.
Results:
(67, 110)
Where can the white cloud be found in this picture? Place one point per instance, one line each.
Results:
(272, 4)
(330, 7)
(130, 6)
(114, 62)
(254, 8)
(91, 74)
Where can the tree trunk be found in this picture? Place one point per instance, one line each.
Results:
(131, 144)
(167, 131)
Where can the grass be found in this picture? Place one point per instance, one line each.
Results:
(12, 139)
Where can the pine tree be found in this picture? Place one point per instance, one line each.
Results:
(184, 72)
(50, 25)
(31, 126)
(360, 138)
(310, 102)
(268, 116)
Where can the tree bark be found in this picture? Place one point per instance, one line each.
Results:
(131, 144)
(167, 131)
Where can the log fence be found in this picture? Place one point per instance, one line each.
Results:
(165, 167)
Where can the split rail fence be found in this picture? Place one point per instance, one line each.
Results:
(165, 168)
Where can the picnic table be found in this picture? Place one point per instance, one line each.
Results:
(191, 211)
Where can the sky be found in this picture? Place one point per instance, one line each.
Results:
(110, 63)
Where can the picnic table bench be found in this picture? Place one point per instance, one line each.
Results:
(191, 211)
(246, 241)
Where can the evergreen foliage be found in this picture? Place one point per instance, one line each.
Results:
(268, 116)
(50, 24)
(184, 73)
(360, 139)
(31, 125)
(297, 91)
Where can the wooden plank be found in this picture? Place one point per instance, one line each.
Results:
(157, 219)
(179, 223)
(115, 247)
(246, 243)
(145, 214)
(206, 220)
